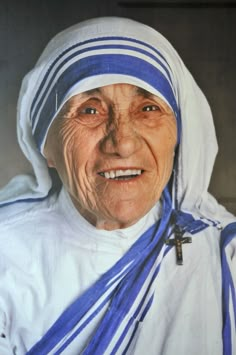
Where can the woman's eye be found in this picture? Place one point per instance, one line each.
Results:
(150, 108)
(89, 111)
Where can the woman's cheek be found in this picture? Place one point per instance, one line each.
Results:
(78, 155)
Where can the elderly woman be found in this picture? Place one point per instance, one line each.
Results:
(101, 262)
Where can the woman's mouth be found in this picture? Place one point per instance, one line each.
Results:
(121, 174)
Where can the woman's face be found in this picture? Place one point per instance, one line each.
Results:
(113, 148)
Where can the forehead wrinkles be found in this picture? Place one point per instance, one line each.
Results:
(121, 96)
(112, 96)
(113, 88)
(116, 96)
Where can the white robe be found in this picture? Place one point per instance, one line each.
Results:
(50, 255)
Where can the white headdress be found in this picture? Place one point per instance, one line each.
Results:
(113, 50)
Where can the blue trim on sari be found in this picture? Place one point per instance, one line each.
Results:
(228, 289)
(132, 270)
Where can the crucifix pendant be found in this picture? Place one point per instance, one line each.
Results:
(178, 241)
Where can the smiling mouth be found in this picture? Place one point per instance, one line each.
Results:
(127, 174)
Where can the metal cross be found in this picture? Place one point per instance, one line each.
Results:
(178, 241)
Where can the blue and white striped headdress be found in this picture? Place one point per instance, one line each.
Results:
(97, 62)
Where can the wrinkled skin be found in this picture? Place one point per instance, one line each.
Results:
(115, 127)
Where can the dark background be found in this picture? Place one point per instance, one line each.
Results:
(204, 34)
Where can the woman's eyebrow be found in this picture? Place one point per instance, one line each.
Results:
(92, 92)
(143, 92)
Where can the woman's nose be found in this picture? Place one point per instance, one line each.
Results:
(121, 139)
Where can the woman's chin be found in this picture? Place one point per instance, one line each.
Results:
(123, 215)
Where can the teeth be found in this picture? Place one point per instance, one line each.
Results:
(117, 173)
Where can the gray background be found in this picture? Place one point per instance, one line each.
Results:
(203, 34)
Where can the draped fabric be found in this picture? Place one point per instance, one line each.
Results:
(131, 279)
(96, 53)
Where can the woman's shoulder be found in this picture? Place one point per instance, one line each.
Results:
(14, 214)
(25, 234)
